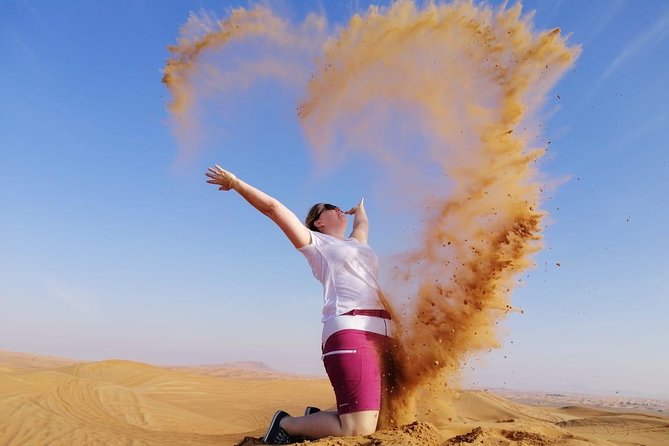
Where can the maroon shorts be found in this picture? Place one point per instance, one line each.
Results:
(352, 360)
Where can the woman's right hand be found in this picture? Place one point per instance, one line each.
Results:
(224, 179)
(354, 209)
(360, 222)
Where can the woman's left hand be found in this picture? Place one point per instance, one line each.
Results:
(226, 180)
(355, 208)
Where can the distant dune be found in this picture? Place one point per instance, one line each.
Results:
(10, 361)
(55, 401)
(239, 370)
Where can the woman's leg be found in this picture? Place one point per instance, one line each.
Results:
(325, 424)
(359, 423)
(351, 359)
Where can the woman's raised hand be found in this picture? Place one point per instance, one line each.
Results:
(355, 208)
(224, 179)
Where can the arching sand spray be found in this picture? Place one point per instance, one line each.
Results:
(468, 79)
(268, 47)
(472, 75)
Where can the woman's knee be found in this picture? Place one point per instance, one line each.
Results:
(365, 429)
(359, 423)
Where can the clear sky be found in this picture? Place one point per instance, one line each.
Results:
(111, 249)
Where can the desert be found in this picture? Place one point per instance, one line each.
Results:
(56, 401)
(451, 208)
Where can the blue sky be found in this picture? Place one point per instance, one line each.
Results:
(110, 248)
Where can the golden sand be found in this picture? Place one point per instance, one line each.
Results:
(58, 402)
(444, 98)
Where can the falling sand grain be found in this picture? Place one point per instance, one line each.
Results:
(450, 88)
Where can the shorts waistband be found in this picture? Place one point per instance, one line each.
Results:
(373, 324)
(383, 314)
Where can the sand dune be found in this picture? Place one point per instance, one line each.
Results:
(10, 361)
(238, 370)
(45, 400)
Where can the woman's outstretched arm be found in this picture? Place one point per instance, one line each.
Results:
(297, 233)
(360, 222)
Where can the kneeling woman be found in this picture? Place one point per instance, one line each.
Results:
(355, 324)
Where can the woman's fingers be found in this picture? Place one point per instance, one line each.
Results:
(351, 211)
(226, 180)
(355, 208)
(219, 177)
(216, 173)
(213, 173)
(218, 170)
(216, 178)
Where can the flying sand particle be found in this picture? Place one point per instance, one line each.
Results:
(466, 78)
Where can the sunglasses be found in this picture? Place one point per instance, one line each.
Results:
(327, 207)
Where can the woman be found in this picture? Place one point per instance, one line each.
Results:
(355, 323)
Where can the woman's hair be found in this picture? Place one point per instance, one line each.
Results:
(313, 215)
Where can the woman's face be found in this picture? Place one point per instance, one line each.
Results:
(333, 219)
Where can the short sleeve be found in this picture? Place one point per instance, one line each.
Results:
(314, 256)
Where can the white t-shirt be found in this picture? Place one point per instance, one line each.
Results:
(348, 271)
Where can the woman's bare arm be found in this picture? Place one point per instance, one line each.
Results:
(287, 221)
(360, 222)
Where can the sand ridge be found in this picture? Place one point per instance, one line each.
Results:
(119, 402)
(239, 370)
(64, 402)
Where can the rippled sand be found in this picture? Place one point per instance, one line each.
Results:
(54, 401)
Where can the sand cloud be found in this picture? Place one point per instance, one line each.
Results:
(443, 97)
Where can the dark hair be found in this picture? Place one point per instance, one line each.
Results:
(313, 215)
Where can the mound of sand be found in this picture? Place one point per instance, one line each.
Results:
(10, 361)
(124, 402)
(45, 400)
(414, 434)
(238, 370)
